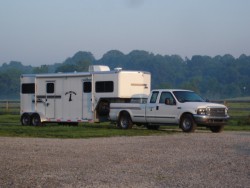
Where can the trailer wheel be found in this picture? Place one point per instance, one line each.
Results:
(25, 119)
(187, 123)
(125, 121)
(35, 120)
(217, 129)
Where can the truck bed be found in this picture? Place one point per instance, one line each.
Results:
(137, 109)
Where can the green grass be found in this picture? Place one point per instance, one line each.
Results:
(13, 107)
(240, 114)
(10, 126)
(8, 118)
(82, 131)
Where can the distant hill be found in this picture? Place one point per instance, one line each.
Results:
(213, 77)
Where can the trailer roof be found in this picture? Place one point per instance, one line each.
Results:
(77, 74)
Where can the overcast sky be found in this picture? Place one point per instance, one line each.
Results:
(48, 31)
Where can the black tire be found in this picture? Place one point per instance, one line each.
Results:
(217, 129)
(153, 127)
(35, 120)
(187, 123)
(25, 119)
(125, 121)
(103, 108)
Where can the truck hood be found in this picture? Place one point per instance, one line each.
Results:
(195, 105)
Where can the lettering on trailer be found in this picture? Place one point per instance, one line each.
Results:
(39, 98)
(70, 95)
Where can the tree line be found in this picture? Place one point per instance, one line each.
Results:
(216, 77)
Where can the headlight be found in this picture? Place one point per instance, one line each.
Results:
(201, 111)
(226, 111)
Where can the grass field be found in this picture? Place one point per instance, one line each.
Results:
(10, 126)
(239, 113)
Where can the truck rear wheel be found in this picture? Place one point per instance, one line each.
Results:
(187, 123)
(217, 129)
(125, 121)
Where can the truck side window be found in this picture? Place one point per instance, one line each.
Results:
(167, 96)
(154, 97)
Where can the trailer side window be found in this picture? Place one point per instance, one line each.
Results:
(104, 87)
(87, 87)
(28, 88)
(50, 88)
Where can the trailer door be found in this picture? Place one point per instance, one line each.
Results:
(50, 99)
(86, 100)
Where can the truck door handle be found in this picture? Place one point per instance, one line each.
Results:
(157, 107)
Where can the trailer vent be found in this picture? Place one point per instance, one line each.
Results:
(98, 68)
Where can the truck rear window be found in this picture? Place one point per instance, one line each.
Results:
(139, 100)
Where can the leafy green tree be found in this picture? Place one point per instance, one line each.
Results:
(213, 77)
(41, 69)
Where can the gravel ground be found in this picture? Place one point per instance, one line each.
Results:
(200, 159)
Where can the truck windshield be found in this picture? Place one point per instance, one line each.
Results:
(187, 96)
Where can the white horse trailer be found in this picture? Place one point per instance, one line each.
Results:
(79, 97)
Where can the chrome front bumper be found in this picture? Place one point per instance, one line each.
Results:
(210, 120)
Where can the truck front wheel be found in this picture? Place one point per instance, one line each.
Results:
(187, 123)
(125, 121)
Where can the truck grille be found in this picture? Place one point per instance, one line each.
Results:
(216, 112)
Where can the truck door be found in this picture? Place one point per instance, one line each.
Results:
(86, 100)
(166, 109)
(151, 107)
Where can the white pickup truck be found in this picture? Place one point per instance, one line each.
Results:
(168, 106)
